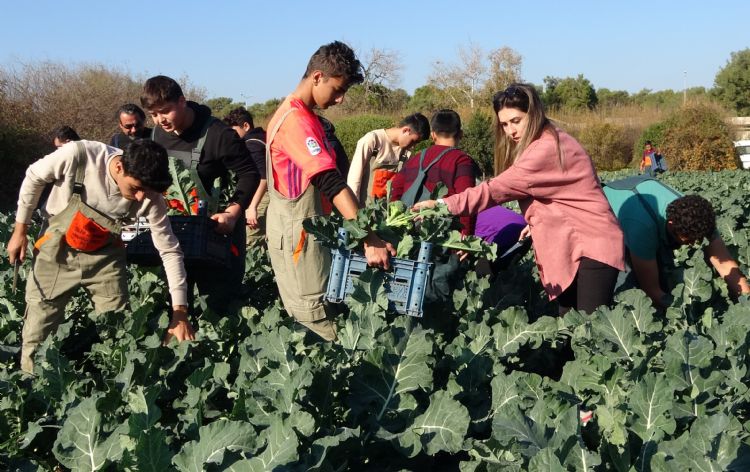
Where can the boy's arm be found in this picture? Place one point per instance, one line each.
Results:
(465, 178)
(252, 210)
(168, 247)
(18, 242)
(719, 257)
(377, 251)
(51, 168)
(647, 274)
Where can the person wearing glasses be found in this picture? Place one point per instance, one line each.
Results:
(577, 241)
(132, 123)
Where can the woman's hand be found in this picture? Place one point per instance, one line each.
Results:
(525, 233)
(425, 205)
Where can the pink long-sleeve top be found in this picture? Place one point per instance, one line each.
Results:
(566, 210)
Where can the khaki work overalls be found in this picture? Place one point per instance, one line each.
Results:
(377, 175)
(300, 263)
(59, 270)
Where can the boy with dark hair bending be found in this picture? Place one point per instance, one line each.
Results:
(380, 152)
(302, 172)
(97, 188)
(655, 220)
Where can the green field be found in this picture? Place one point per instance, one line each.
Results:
(455, 390)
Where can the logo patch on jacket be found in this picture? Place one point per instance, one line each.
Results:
(312, 146)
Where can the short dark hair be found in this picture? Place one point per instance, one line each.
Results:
(238, 117)
(418, 123)
(648, 143)
(65, 133)
(147, 161)
(159, 90)
(336, 59)
(692, 217)
(446, 123)
(131, 109)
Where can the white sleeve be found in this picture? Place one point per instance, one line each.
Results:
(168, 246)
(51, 168)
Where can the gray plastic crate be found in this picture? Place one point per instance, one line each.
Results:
(405, 283)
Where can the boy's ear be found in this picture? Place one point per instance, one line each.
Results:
(317, 76)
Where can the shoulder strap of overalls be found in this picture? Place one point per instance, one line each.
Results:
(414, 192)
(271, 136)
(211, 199)
(256, 140)
(79, 164)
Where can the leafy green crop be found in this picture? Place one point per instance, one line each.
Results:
(464, 388)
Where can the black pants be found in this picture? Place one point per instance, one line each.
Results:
(593, 286)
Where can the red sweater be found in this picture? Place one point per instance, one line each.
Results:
(455, 170)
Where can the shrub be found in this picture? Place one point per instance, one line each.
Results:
(40, 97)
(478, 141)
(607, 144)
(697, 138)
(349, 130)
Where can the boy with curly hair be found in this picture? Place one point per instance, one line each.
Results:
(657, 219)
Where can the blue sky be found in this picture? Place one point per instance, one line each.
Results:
(253, 51)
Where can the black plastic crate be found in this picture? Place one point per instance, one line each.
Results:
(200, 243)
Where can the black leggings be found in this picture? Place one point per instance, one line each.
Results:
(593, 286)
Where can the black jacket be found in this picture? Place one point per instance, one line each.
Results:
(121, 140)
(223, 151)
(257, 150)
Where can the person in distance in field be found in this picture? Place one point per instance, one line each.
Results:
(97, 188)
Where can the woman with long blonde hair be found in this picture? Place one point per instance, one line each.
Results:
(577, 240)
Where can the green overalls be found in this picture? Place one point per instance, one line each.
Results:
(59, 270)
(300, 263)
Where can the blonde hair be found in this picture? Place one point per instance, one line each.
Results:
(525, 98)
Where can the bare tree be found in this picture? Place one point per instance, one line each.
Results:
(381, 67)
(505, 69)
(461, 81)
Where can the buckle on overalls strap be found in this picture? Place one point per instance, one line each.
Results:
(77, 188)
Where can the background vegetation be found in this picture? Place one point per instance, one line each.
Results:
(688, 125)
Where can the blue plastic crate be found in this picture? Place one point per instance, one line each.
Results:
(405, 284)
